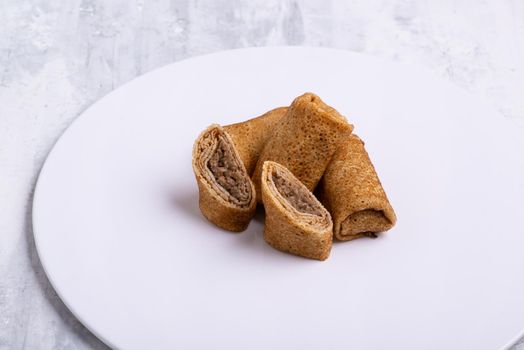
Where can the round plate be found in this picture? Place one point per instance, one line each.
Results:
(120, 235)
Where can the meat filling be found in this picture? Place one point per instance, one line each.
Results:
(297, 196)
(367, 222)
(228, 173)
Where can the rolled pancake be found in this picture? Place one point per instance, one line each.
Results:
(304, 140)
(352, 192)
(296, 222)
(226, 192)
(251, 136)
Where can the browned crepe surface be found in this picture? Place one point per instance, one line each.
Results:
(226, 192)
(296, 222)
(251, 136)
(352, 192)
(304, 140)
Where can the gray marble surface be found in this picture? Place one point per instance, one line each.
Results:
(58, 57)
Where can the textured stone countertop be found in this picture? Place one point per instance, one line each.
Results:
(58, 57)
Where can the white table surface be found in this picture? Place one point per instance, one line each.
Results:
(57, 58)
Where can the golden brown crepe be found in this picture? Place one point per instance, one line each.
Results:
(296, 222)
(226, 192)
(352, 192)
(304, 140)
(251, 136)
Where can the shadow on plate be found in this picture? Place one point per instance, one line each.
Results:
(250, 241)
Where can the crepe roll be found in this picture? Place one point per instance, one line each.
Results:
(353, 194)
(226, 192)
(296, 222)
(251, 136)
(304, 140)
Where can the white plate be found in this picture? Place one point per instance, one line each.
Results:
(121, 238)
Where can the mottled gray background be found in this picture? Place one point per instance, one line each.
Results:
(58, 57)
